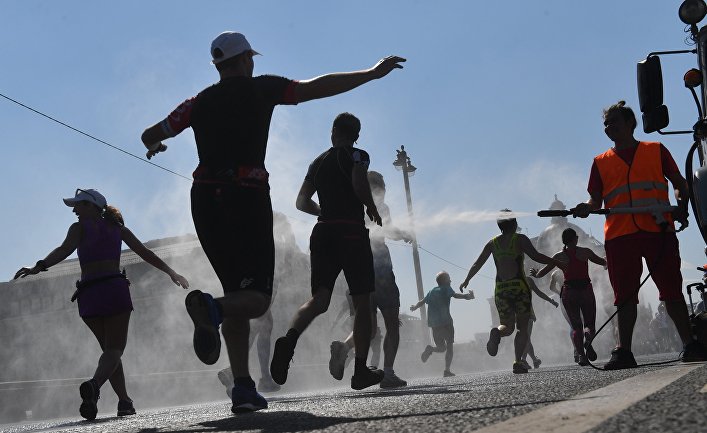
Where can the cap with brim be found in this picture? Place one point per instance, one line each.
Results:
(88, 195)
(229, 44)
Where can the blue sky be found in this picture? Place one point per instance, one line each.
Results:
(499, 105)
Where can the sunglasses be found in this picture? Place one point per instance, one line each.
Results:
(78, 190)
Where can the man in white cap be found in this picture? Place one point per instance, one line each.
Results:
(230, 196)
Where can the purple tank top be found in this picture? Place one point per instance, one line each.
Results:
(100, 240)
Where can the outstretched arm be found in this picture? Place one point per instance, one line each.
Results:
(71, 242)
(593, 257)
(340, 82)
(547, 268)
(391, 231)
(485, 253)
(540, 293)
(542, 272)
(527, 247)
(304, 199)
(469, 295)
(147, 255)
(418, 305)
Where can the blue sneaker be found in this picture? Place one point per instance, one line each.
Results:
(204, 312)
(247, 399)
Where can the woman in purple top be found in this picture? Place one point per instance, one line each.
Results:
(102, 293)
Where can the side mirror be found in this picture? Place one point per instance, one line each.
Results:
(650, 94)
(656, 119)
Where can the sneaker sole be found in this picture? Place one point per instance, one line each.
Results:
(89, 408)
(225, 378)
(425, 355)
(207, 341)
(279, 365)
(126, 413)
(335, 369)
(494, 341)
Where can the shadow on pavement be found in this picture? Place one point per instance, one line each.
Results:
(85, 423)
(294, 421)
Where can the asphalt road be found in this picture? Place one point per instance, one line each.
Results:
(462, 403)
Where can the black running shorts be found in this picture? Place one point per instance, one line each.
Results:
(443, 335)
(341, 246)
(235, 227)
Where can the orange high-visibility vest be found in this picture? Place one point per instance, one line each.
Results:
(638, 185)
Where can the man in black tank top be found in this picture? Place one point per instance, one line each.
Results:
(339, 242)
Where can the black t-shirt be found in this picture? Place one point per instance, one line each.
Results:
(330, 174)
(231, 120)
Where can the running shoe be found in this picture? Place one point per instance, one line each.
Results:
(519, 368)
(426, 353)
(583, 361)
(591, 353)
(90, 394)
(225, 376)
(266, 384)
(281, 357)
(620, 359)
(694, 352)
(525, 364)
(537, 362)
(125, 408)
(204, 313)
(448, 373)
(246, 399)
(339, 353)
(494, 341)
(392, 381)
(366, 378)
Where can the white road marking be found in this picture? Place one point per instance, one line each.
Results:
(586, 411)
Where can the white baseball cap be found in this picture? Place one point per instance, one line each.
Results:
(89, 195)
(227, 45)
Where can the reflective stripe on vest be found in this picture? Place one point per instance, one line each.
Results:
(638, 185)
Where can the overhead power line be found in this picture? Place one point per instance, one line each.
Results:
(66, 125)
(93, 137)
(440, 257)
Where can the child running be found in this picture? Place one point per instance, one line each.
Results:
(577, 294)
(440, 320)
(102, 293)
(512, 294)
(529, 349)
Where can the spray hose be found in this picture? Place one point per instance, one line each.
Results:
(655, 210)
